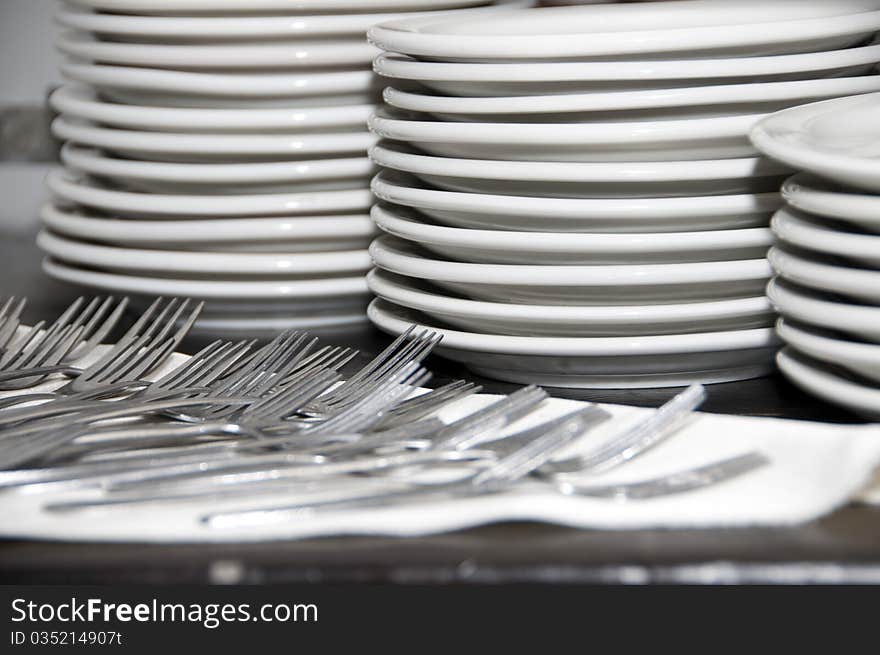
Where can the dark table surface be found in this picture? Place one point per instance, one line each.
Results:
(844, 547)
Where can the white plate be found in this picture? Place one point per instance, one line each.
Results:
(131, 204)
(198, 147)
(571, 320)
(859, 357)
(81, 102)
(532, 213)
(509, 247)
(215, 288)
(233, 87)
(834, 314)
(799, 230)
(597, 362)
(536, 78)
(817, 196)
(824, 384)
(860, 283)
(288, 55)
(247, 6)
(294, 175)
(584, 179)
(701, 138)
(288, 233)
(671, 101)
(577, 284)
(751, 27)
(197, 28)
(838, 139)
(170, 262)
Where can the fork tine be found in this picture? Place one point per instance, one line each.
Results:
(131, 335)
(139, 350)
(177, 376)
(217, 365)
(382, 356)
(213, 366)
(288, 400)
(417, 408)
(468, 430)
(141, 363)
(21, 345)
(372, 408)
(51, 350)
(359, 386)
(10, 320)
(635, 439)
(98, 327)
(328, 357)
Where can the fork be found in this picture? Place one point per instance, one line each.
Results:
(256, 376)
(74, 334)
(699, 477)
(635, 440)
(200, 478)
(413, 409)
(9, 315)
(140, 350)
(497, 477)
(309, 451)
(372, 408)
(401, 352)
(202, 369)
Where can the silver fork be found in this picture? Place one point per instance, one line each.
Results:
(256, 376)
(692, 479)
(625, 446)
(221, 473)
(9, 319)
(497, 477)
(28, 441)
(42, 352)
(407, 348)
(140, 350)
(458, 435)
(202, 369)
(413, 409)
(372, 408)
(306, 452)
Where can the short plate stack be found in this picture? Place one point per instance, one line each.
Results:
(827, 260)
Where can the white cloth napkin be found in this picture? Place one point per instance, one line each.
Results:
(816, 468)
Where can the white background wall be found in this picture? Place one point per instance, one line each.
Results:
(27, 70)
(27, 58)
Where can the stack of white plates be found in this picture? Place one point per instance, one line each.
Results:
(218, 149)
(571, 196)
(827, 260)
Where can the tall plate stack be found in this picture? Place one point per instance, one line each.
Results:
(571, 197)
(827, 259)
(217, 149)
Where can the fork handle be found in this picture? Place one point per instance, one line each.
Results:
(66, 369)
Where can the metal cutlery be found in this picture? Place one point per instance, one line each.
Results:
(495, 478)
(635, 440)
(146, 344)
(699, 477)
(72, 335)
